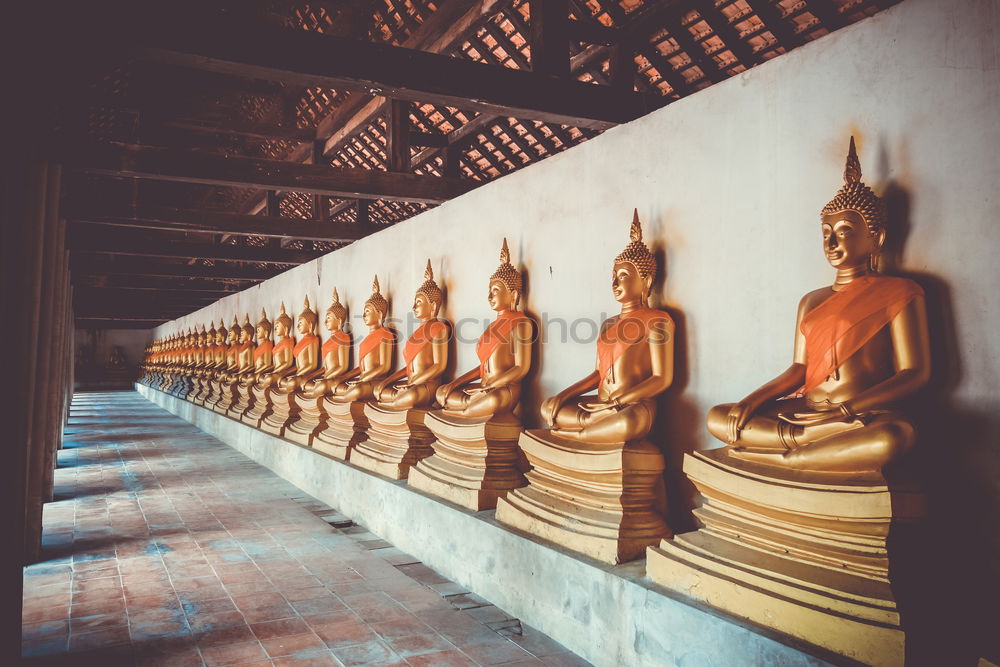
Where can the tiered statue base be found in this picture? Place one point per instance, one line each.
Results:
(200, 391)
(259, 406)
(801, 552)
(242, 400)
(227, 395)
(346, 425)
(397, 440)
(594, 499)
(475, 461)
(309, 416)
(282, 409)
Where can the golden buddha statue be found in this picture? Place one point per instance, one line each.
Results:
(426, 353)
(209, 365)
(265, 365)
(504, 352)
(263, 362)
(635, 360)
(228, 379)
(336, 353)
(227, 352)
(305, 355)
(244, 369)
(336, 356)
(282, 355)
(797, 504)
(339, 412)
(476, 459)
(595, 478)
(861, 345)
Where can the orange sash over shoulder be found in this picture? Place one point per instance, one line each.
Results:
(336, 339)
(304, 343)
(244, 346)
(283, 344)
(373, 340)
(262, 349)
(841, 325)
(628, 330)
(496, 334)
(422, 337)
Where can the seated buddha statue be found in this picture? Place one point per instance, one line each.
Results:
(232, 351)
(263, 361)
(245, 350)
(504, 352)
(336, 353)
(374, 353)
(635, 360)
(253, 387)
(283, 361)
(861, 345)
(425, 353)
(305, 353)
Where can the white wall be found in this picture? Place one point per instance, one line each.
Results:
(728, 183)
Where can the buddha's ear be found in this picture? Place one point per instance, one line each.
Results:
(517, 297)
(648, 281)
(879, 239)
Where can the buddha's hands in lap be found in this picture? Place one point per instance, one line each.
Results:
(738, 417)
(601, 406)
(550, 406)
(472, 391)
(816, 417)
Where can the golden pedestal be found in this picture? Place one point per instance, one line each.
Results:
(800, 552)
(308, 416)
(259, 406)
(227, 392)
(397, 440)
(282, 408)
(475, 461)
(214, 393)
(341, 429)
(594, 499)
(242, 400)
(201, 390)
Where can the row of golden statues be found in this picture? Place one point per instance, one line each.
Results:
(797, 508)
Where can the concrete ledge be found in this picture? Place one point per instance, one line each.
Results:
(608, 615)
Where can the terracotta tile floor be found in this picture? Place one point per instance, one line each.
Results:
(165, 546)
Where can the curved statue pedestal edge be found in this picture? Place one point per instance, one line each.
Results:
(344, 426)
(396, 440)
(475, 461)
(309, 416)
(259, 406)
(597, 500)
(801, 552)
(228, 391)
(281, 409)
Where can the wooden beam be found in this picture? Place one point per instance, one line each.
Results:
(243, 129)
(215, 287)
(129, 292)
(783, 31)
(165, 164)
(109, 245)
(180, 220)
(550, 39)
(428, 139)
(309, 59)
(593, 32)
(138, 267)
(118, 322)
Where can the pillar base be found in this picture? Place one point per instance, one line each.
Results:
(397, 440)
(475, 461)
(345, 426)
(596, 499)
(800, 552)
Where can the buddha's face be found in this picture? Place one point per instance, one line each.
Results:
(244, 336)
(626, 283)
(302, 326)
(847, 241)
(280, 330)
(423, 307)
(220, 337)
(332, 322)
(261, 332)
(371, 315)
(500, 298)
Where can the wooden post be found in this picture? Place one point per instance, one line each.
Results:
(321, 203)
(362, 210)
(550, 37)
(398, 125)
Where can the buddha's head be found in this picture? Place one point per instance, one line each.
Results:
(263, 327)
(282, 323)
(634, 268)
(335, 314)
(200, 337)
(428, 299)
(234, 332)
(246, 331)
(854, 221)
(376, 307)
(220, 333)
(306, 323)
(505, 284)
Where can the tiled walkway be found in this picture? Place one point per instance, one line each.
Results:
(165, 546)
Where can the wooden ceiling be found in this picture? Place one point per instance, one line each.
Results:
(216, 144)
